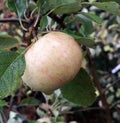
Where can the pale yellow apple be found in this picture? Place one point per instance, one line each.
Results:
(52, 61)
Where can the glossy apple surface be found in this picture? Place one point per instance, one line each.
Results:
(52, 61)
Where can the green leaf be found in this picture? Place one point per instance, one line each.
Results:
(89, 42)
(80, 90)
(86, 22)
(59, 6)
(39, 3)
(18, 6)
(12, 66)
(68, 8)
(93, 17)
(57, 3)
(43, 6)
(118, 1)
(7, 41)
(32, 121)
(30, 101)
(3, 103)
(111, 7)
(43, 22)
(63, 6)
(87, 26)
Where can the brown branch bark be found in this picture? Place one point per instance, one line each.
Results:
(98, 86)
(5, 20)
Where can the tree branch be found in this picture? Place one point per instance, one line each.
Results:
(97, 84)
(6, 20)
(107, 88)
(81, 110)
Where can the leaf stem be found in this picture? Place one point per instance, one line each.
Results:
(21, 24)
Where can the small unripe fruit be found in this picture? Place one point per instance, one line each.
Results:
(52, 61)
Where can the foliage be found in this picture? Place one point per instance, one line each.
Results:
(12, 67)
(9, 42)
(79, 83)
(87, 23)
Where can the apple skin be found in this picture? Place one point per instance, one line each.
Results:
(51, 62)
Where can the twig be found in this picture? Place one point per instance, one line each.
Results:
(3, 118)
(91, 108)
(115, 104)
(4, 20)
(115, 82)
(81, 110)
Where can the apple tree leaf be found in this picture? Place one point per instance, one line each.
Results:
(61, 6)
(118, 1)
(29, 101)
(111, 7)
(43, 22)
(89, 42)
(18, 6)
(93, 17)
(3, 103)
(80, 90)
(7, 41)
(68, 8)
(86, 22)
(12, 66)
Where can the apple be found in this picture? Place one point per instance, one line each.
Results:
(51, 62)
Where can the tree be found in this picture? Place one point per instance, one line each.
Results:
(22, 25)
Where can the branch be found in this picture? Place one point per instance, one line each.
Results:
(6, 20)
(89, 108)
(81, 110)
(107, 88)
(97, 84)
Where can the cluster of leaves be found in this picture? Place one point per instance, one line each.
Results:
(75, 17)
